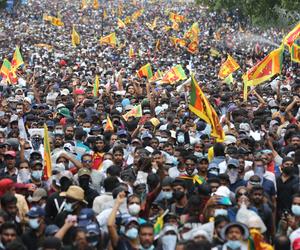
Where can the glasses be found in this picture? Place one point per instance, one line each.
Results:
(87, 161)
(242, 193)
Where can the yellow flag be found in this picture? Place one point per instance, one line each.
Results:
(127, 20)
(75, 37)
(96, 5)
(83, 4)
(167, 28)
(131, 52)
(47, 17)
(121, 24)
(175, 26)
(110, 39)
(56, 22)
(104, 14)
(157, 45)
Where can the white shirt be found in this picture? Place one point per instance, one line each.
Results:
(100, 201)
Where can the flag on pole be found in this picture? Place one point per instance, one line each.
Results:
(145, 71)
(121, 24)
(95, 4)
(193, 47)
(157, 45)
(193, 32)
(175, 26)
(176, 18)
(174, 75)
(57, 22)
(75, 37)
(266, 68)
(158, 74)
(83, 4)
(229, 79)
(292, 36)
(96, 86)
(136, 111)
(228, 67)
(295, 53)
(176, 41)
(110, 39)
(47, 155)
(131, 52)
(200, 106)
(109, 125)
(17, 60)
(7, 72)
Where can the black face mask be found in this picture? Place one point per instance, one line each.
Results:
(288, 170)
(178, 195)
(65, 183)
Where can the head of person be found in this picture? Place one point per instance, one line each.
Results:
(10, 159)
(257, 194)
(219, 223)
(9, 205)
(36, 169)
(69, 132)
(234, 234)
(242, 196)
(282, 242)
(158, 158)
(213, 183)
(84, 178)
(287, 166)
(8, 233)
(146, 236)
(99, 144)
(87, 161)
(190, 164)
(134, 205)
(132, 228)
(233, 170)
(74, 199)
(166, 188)
(203, 165)
(39, 198)
(118, 155)
(110, 183)
(36, 216)
(296, 205)
(179, 190)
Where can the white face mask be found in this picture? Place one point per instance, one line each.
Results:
(169, 242)
(27, 153)
(134, 209)
(23, 175)
(220, 211)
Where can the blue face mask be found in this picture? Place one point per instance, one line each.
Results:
(167, 195)
(37, 174)
(132, 233)
(220, 211)
(296, 210)
(146, 248)
(180, 138)
(33, 223)
(233, 244)
(68, 207)
(87, 130)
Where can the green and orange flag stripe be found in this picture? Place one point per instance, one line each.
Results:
(145, 71)
(47, 155)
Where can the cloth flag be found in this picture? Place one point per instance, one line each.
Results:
(166, 28)
(121, 24)
(193, 32)
(266, 68)
(46, 17)
(145, 71)
(200, 106)
(291, 37)
(136, 111)
(83, 4)
(75, 37)
(57, 22)
(228, 67)
(228, 79)
(176, 18)
(127, 20)
(195, 178)
(131, 52)
(108, 126)
(6, 72)
(179, 41)
(295, 53)
(175, 26)
(47, 155)
(95, 4)
(174, 75)
(157, 45)
(158, 74)
(159, 224)
(17, 60)
(193, 47)
(96, 86)
(110, 39)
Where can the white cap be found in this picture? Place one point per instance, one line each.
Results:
(223, 191)
(65, 92)
(27, 99)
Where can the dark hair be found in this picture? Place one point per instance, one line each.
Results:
(256, 188)
(8, 225)
(282, 242)
(8, 198)
(219, 149)
(86, 154)
(179, 182)
(199, 245)
(296, 195)
(4, 215)
(130, 197)
(156, 152)
(16, 245)
(110, 183)
(118, 149)
(20, 162)
(191, 157)
(219, 219)
(146, 225)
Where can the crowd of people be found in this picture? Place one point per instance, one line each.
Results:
(159, 181)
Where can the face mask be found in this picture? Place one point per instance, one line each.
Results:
(163, 120)
(34, 223)
(31, 97)
(169, 242)
(84, 183)
(178, 195)
(167, 195)
(59, 132)
(233, 244)
(288, 170)
(87, 130)
(27, 153)
(220, 211)
(198, 154)
(37, 174)
(68, 207)
(146, 248)
(24, 175)
(180, 138)
(119, 109)
(273, 110)
(233, 175)
(134, 209)
(132, 233)
(296, 210)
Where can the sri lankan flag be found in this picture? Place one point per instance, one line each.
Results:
(96, 86)
(110, 39)
(95, 5)
(136, 111)
(193, 32)
(291, 37)
(17, 60)
(265, 69)
(228, 67)
(200, 106)
(176, 18)
(174, 75)
(6, 72)
(157, 45)
(131, 52)
(75, 37)
(83, 4)
(47, 155)
(195, 178)
(158, 74)
(108, 126)
(159, 224)
(127, 20)
(295, 53)
(121, 24)
(175, 26)
(175, 41)
(145, 71)
(193, 47)
(57, 22)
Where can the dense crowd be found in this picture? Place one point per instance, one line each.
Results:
(158, 181)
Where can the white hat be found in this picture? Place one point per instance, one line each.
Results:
(65, 92)
(27, 99)
(223, 191)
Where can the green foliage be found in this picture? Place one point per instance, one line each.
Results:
(260, 12)
(2, 4)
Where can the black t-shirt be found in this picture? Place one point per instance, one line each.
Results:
(31, 241)
(123, 244)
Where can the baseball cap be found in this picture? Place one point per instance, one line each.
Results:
(11, 153)
(84, 171)
(93, 228)
(35, 212)
(145, 135)
(38, 194)
(85, 217)
(233, 163)
(51, 230)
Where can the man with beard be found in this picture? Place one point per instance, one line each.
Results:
(8, 233)
(287, 185)
(69, 132)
